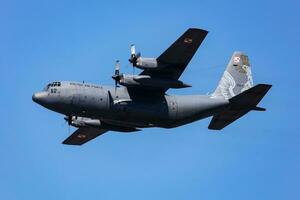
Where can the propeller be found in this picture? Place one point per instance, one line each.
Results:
(133, 56)
(69, 119)
(117, 75)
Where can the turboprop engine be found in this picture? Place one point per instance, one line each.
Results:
(83, 122)
(144, 80)
(146, 63)
(140, 62)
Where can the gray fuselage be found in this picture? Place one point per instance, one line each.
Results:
(117, 106)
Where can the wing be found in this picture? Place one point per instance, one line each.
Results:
(83, 135)
(175, 59)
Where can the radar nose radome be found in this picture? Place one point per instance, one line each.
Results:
(38, 97)
(34, 97)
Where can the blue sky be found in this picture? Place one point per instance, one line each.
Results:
(257, 157)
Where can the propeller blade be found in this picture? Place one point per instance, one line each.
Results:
(117, 75)
(132, 50)
(117, 68)
(133, 55)
(68, 119)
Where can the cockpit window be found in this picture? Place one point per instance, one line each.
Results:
(54, 84)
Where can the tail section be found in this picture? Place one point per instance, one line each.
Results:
(239, 106)
(236, 78)
(236, 86)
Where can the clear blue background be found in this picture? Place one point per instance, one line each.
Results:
(256, 157)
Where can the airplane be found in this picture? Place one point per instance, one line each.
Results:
(140, 101)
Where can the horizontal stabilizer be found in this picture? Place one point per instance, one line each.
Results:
(239, 106)
(250, 97)
(225, 118)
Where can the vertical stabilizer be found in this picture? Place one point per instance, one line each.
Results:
(236, 78)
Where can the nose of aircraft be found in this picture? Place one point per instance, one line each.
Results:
(39, 97)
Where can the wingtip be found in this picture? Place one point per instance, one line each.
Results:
(66, 142)
(69, 144)
(198, 29)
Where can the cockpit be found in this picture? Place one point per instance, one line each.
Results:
(51, 85)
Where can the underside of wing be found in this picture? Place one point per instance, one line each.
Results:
(175, 59)
(83, 135)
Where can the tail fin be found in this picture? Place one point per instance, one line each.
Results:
(236, 78)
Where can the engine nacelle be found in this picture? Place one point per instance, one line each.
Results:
(146, 63)
(128, 80)
(145, 80)
(85, 122)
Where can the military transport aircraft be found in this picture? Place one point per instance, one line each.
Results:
(141, 100)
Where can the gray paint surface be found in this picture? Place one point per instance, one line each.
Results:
(142, 101)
